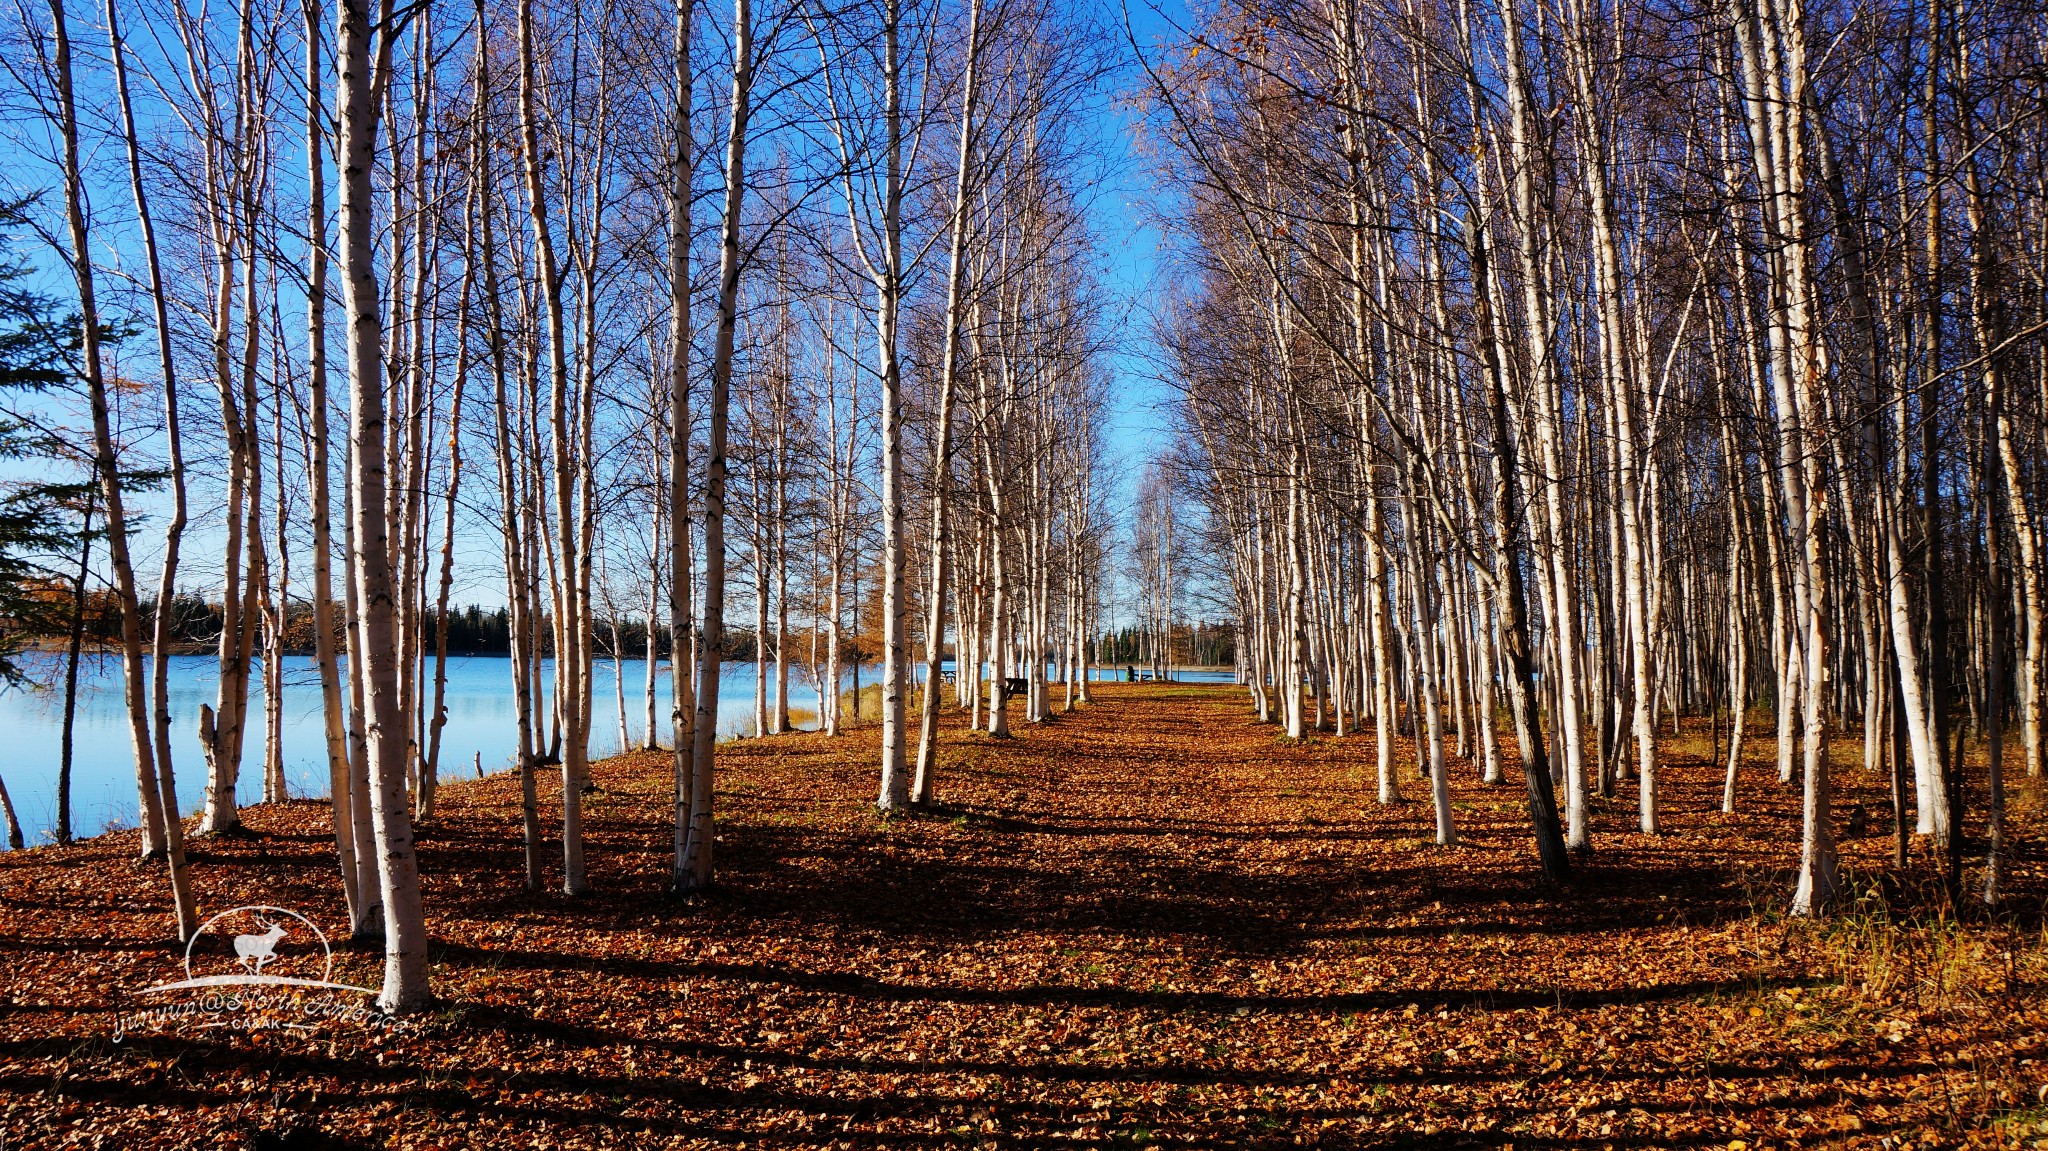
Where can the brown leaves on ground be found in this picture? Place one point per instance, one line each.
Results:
(1147, 924)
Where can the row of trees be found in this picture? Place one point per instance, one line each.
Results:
(683, 311)
(195, 620)
(1614, 361)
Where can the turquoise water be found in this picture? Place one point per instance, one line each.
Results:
(480, 723)
(480, 727)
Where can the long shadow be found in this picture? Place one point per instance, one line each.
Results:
(715, 1109)
(723, 1108)
(1191, 884)
(1156, 1002)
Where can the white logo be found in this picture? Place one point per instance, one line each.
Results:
(247, 969)
(257, 949)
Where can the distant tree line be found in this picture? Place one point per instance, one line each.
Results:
(195, 621)
(1203, 644)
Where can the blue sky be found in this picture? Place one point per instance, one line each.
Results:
(1124, 204)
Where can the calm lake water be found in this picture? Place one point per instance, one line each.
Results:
(480, 723)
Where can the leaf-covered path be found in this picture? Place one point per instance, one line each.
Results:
(1147, 924)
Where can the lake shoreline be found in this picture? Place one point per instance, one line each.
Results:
(478, 705)
(481, 723)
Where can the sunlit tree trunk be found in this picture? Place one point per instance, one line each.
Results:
(373, 664)
(681, 569)
(697, 862)
(942, 436)
(158, 797)
(106, 467)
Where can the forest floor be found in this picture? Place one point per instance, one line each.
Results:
(1148, 924)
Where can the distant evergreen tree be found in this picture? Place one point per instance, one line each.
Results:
(33, 517)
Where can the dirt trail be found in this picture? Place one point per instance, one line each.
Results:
(1150, 923)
